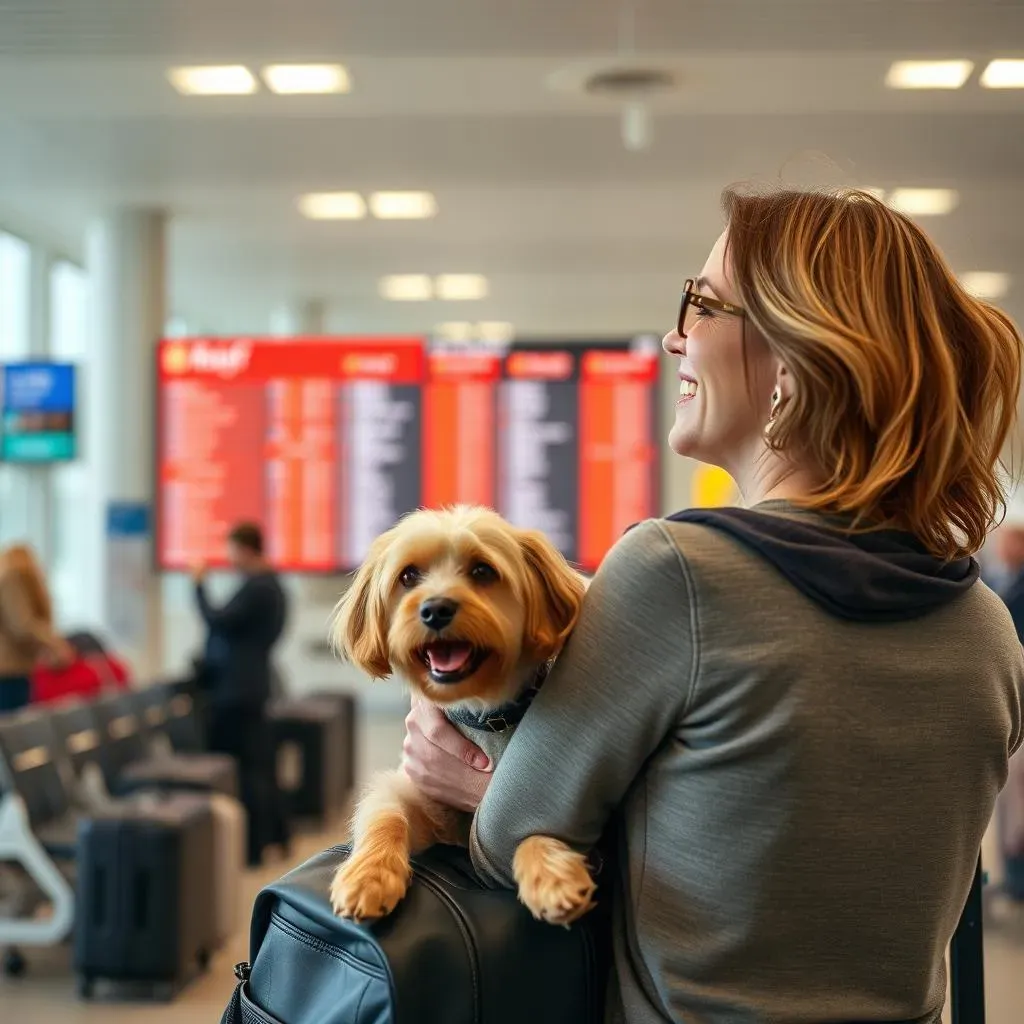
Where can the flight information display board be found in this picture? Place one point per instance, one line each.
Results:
(327, 442)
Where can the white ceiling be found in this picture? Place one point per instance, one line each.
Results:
(534, 186)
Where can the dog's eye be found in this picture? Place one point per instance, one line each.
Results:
(481, 572)
(409, 576)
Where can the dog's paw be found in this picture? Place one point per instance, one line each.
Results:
(553, 880)
(365, 888)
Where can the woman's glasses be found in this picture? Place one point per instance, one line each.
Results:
(694, 306)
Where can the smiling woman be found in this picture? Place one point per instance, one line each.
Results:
(748, 691)
(836, 320)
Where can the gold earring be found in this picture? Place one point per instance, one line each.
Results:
(774, 411)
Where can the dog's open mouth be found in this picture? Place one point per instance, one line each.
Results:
(451, 661)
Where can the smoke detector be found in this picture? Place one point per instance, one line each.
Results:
(628, 85)
(623, 79)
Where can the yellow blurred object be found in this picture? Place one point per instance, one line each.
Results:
(712, 487)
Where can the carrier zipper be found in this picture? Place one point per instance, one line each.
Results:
(242, 970)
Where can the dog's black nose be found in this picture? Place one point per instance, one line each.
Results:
(437, 612)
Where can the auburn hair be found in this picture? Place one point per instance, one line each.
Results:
(19, 562)
(905, 386)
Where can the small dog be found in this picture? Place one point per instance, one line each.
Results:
(469, 610)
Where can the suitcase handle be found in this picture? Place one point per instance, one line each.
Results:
(967, 959)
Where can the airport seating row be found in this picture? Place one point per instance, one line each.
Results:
(112, 812)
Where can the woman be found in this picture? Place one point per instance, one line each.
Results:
(26, 626)
(800, 712)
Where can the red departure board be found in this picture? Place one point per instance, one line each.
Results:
(328, 441)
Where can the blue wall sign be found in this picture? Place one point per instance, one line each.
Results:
(38, 412)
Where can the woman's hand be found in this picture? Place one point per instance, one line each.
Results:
(445, 765)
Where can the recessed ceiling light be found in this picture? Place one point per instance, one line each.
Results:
(213, 80)
(333, 206)
(1003, 74)
(402, 205)
(407, 287)
(498, 331)
(923, 202)
(293, 79)
(929, 74)
(456, 287)
(455, 330)
(986, 284)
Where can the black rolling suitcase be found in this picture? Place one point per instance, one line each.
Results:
(145, 901)
(967, 959)
(347, 709)
(313, 744)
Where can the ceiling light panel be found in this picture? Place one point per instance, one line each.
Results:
(213, 80)
(406, 287)
(929, 74)
(923, 202)
(333, 206)
(986, 284)
(455, 330)
(296, 79)
(403, 205)
(497, 331)
(461, 287)
(1003, 74)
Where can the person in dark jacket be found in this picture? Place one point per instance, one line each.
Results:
(1010, 548)
(237, 676)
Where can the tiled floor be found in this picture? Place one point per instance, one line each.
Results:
(46, 994)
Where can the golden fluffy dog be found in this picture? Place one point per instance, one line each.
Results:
(469, 610)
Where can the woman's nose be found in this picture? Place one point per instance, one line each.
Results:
(673, 344)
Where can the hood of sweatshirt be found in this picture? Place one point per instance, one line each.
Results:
(877, 576)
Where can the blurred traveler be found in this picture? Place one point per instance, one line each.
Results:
(26, 626)
(237, 676)
(1009, 543)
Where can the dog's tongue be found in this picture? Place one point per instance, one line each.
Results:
(448, 657)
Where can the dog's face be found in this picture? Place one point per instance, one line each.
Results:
(458, 602)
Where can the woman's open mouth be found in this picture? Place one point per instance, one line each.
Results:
(451, 661)
(687, 390)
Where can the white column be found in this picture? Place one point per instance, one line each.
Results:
(125, 257)
(36, 479)
(301, 317)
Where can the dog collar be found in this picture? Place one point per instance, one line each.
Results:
(501, 718)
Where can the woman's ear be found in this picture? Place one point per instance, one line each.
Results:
(783, 382)
(358, 625)
(554, 594)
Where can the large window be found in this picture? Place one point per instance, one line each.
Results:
(70, 539)
(15, 270)
(15, 343)
(68, 312)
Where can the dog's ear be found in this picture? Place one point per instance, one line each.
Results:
(358, 625)
(554, 595)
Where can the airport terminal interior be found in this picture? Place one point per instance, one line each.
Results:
(309, 266)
